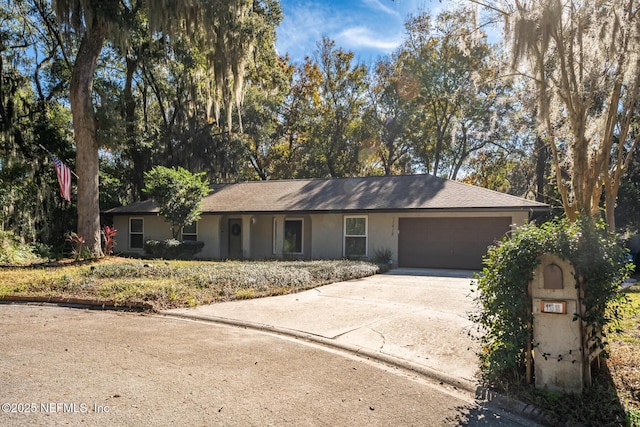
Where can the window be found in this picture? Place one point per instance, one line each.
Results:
(355, 236)
(190, 232)
(274, 237)
(136, 233)
(293, 236)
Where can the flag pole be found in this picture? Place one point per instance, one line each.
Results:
(51, 154)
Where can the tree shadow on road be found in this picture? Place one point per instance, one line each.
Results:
(598, 405)
(432, 272)
(487, 415)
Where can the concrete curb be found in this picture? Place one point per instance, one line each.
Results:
(78, 302)
(481, 393)
(515, 406)
(355, 350)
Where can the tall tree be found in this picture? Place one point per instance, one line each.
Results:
(449, 83)
(584, 58)
(32, 80)
(264, 109)
(386, 119)
(224, 30)
(335, 93)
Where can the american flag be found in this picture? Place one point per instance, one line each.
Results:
(64, 177)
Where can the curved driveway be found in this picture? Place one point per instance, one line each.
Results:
(416, 317)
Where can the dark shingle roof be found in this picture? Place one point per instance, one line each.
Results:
(393, 193)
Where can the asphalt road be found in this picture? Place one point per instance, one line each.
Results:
(66, 366)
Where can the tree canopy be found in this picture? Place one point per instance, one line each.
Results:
(225, 34)
(178, 194)
(115, 89)
(582, 59)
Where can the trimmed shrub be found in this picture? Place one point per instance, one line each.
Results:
(172, 248)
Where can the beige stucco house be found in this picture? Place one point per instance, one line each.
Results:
(422, 220)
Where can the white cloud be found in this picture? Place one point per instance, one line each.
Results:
(362, 37)
(367, 27)
(303, 26)
(378, 5)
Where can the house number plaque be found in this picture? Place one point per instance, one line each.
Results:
(557, 307)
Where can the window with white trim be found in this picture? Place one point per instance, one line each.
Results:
(355, 236)
(274, 236)
(190, 232)
(293, 236)
(136, 233)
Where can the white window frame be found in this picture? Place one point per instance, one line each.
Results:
(274, 236)
(301, 220)
(137, 233)
(195, 224)
(345, 235)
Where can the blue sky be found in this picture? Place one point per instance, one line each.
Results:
(369, 28)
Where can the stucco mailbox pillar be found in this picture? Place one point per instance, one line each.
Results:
(557, 337)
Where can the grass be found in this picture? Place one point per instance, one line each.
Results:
(624, 362)
(170, 284)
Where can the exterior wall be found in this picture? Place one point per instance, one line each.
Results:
(323, 234)
(156, 228)
(121, 223)
(328, 230)
(262, 237)
(209, 233)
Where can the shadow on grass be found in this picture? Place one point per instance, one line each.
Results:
(47, 264)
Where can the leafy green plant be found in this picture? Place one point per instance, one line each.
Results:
(43, 251)
(505, 317)
(382, 256)
(79, 249)
(633, 417)
(178, 194)
(13, 251)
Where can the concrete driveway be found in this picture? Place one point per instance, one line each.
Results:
(411, 317)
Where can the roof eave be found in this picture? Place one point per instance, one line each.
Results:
(384, 210)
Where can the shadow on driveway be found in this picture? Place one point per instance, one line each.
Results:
(432, 272)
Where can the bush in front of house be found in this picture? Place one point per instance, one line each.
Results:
(172, 248)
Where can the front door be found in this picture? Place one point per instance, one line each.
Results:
(235, 238)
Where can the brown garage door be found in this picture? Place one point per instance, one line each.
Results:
(448, 242)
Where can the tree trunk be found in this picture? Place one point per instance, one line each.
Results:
(84, 127)
(135, 151)
(541, 167)
(610, 195)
